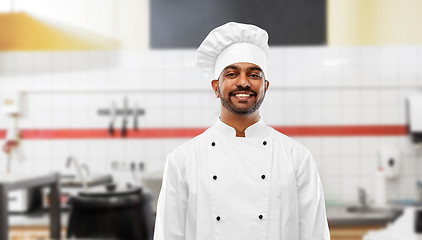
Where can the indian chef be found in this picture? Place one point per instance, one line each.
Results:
(240, 179)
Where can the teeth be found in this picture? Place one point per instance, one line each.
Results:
(242, 95)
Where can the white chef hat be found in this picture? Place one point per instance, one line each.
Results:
(232, 43)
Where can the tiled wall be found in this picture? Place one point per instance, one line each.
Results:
(308, 86)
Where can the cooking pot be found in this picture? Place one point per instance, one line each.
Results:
(123, 214)
(110, 190)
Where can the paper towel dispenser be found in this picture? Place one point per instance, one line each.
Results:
(414, 117)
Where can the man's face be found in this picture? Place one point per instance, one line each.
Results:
(241, 88)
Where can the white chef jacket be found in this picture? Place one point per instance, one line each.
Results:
(264, 186)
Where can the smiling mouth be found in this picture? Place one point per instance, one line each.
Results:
(243, 95)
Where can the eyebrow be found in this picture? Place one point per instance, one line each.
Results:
(231, 67)
(234, 67)
(254, 68)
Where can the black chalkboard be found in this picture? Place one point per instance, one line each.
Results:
(185, 23)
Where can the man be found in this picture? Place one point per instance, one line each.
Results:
(240, 179)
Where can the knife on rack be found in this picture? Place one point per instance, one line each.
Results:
(113, 118)
(124, 123)
(135, 117)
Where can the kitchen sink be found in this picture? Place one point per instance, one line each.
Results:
(370, 210)
(358, 215)
(374, 212)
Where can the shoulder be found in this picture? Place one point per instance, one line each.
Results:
(188, 150)
(287, 141)
(297, 151)
(193, 143)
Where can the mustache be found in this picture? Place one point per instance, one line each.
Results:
(242, 89)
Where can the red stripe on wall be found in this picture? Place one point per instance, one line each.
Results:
(2, 133)
(305, 131)
(103, 133)
(321, 131)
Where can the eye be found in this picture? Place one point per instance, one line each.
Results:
(255, 75)
(230, 74)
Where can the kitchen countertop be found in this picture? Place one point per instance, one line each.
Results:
(337, 216)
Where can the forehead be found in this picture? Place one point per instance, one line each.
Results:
(243, 66)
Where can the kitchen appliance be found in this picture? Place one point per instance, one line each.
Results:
(418, 223)
(24, 200)
(414, 117)
(389, 161)
(121, 213)
(71, 185)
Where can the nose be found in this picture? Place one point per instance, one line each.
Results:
(242, 81)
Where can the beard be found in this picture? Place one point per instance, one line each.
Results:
(228, 104)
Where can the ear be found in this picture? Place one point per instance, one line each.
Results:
(267, 84)
(214, 85)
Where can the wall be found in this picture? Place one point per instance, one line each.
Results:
(349, 22)
(356, 22)
(373, 22)
(309, 86)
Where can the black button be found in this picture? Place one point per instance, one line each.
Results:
(263, 176)
(214, 177)
(265, 143)
(213, 144)
(260, 216)
(218, 218)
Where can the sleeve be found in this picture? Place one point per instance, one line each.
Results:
(171, 207)
(313, 223)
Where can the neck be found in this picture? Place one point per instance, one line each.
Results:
(239, 122)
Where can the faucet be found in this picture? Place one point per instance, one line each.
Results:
(363, 196)
(86, 168)
(73, 160)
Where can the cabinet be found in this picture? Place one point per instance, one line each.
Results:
(32, 232)
(351, 232)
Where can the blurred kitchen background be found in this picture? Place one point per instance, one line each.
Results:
(345, 80)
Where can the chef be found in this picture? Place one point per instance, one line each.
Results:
(240, 179)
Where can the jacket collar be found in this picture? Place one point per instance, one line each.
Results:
(255, 130)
